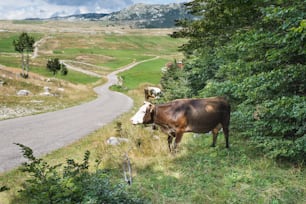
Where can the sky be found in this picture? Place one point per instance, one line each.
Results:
(21, 9)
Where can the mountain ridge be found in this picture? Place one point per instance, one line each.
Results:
(136, 16)
(150, 15)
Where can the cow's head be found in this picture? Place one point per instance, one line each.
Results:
(144, 115)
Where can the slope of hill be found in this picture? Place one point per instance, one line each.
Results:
(149, 16)
(137, 16)
(85, 16)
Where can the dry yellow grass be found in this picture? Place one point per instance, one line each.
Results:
(64, 94)
(88, 27)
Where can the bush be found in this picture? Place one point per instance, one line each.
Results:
(174, 83)
(54, 65)
(75, 184)
(64, 70)
(253, 53)
(280, 128)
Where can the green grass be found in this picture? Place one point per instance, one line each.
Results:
(77, 78)
(197, 173)
(162, 44)
(123, 57)
(122, 49)
(72, 76)
(10, 60)
(118, 58)
(6, 40)
(201, 174)
(147, 72)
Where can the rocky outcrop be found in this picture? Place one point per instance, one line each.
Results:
(149, 16)
(138, 16)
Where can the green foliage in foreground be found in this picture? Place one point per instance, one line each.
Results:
(253, 52)
(75, 184)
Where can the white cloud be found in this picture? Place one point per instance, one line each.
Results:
(22, 9)
(18, 9)
(106, 4)
(160, 1)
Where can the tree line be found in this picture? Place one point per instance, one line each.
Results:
(253, 52)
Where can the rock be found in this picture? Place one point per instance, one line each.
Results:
(47, 89)
(2, 82)
(36, 101)
(46, 94)
(61, 89)
(156, 137)
(116, 140)
(23, 92)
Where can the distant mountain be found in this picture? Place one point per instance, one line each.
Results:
(137, 16)
(149, 16)
(86, 16)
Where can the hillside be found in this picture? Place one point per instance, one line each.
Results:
(86, 16)
(149, 16)
(137, 16)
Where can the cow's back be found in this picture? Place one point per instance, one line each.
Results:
(202, 115)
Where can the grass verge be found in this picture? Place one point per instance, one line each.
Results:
(196, 174)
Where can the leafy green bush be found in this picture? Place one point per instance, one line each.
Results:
(253, 52)
(174, 83)
(75, 184)
(54, 65)
(281, 129)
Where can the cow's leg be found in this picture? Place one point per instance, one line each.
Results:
(225, 126)
(215, 132)
(178, 139)
(226, 135)
(170, 138)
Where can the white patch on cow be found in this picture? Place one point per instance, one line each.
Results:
(138, 117)
(156, 90)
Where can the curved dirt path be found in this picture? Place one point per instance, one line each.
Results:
(66, 63)
(50, 131)
(37, 44)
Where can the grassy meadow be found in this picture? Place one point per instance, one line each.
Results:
(87, 46)
(197, 173)
(144, 73)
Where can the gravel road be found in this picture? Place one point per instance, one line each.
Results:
(50, 131)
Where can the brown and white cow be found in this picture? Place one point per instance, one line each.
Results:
(187, 115)
(152, 92)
